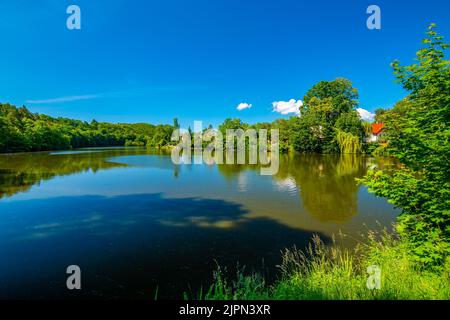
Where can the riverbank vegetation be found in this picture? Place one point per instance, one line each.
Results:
(419, 137)
(331, 272)
(415, 263)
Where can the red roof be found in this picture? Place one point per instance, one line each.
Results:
(377, 128)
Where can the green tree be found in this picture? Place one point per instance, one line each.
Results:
(350, 122)
(232, 124)
(379, 113)
(176, 125)
(329, 108)
(284, 131)
(307, 133)
(418, 133)
(340, 93)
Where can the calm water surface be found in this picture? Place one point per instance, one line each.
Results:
(136, 223)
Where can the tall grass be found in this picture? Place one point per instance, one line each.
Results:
(331, 272)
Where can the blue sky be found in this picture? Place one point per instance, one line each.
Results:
(151, 61)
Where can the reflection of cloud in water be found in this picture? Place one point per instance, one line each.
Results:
(309, 192)
(55, 228)
(203, 222)
(242, 182)
(94, 217)
(46, 226)
(287, 185)
(141, 240)
(103, 216)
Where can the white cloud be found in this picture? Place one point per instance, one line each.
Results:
(243, 105)
(365, 115)
(286, 107)
(64, 99)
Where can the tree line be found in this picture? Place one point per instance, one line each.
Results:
(329, 123)
(22, 130)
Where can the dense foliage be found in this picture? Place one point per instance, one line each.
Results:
(21, 130)
(418, 132)
(328, 109)
(328, 123)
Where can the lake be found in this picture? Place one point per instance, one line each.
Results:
(138, 225)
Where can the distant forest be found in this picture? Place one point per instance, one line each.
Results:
(21, 130)
(329, 123)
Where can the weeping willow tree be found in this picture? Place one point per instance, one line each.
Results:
(367, 127)
(348, 143)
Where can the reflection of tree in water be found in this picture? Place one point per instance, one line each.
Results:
(230, 171)
(19, 172)
(12, 182)
(327, 183)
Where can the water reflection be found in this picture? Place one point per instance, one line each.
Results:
(131, 246)
(135, 221)
(19, 172)
(326, 182)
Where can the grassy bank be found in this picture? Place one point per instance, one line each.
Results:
(329, 272)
